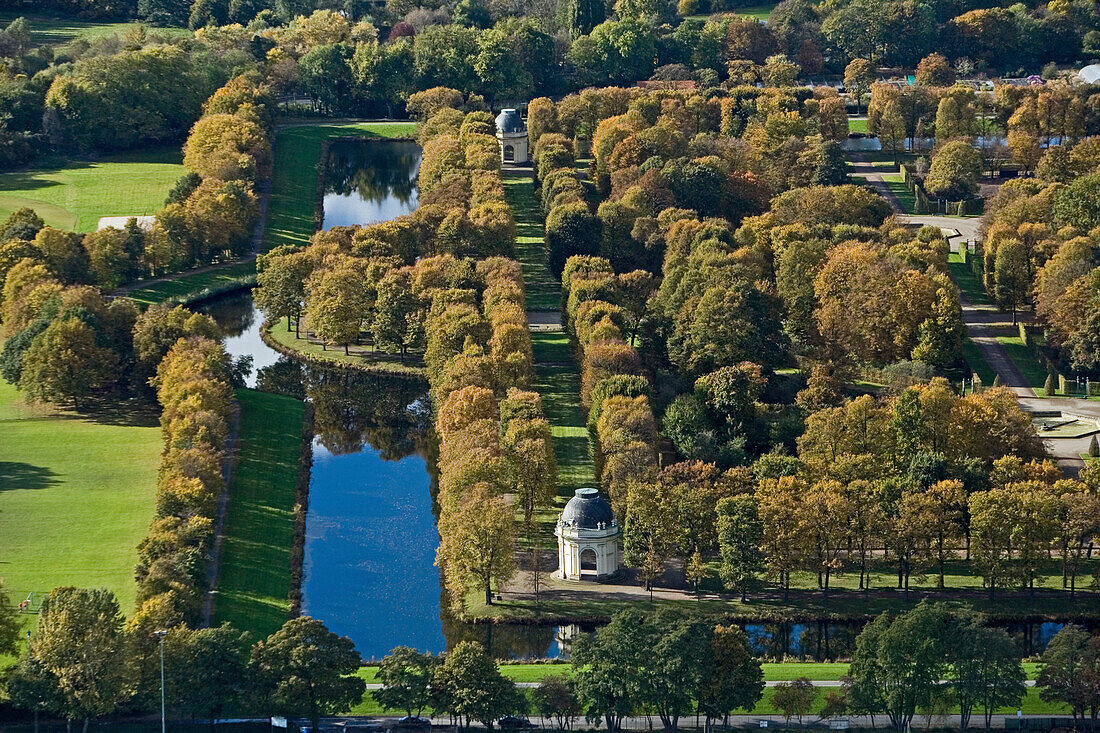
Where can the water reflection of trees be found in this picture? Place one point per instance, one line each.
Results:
(352, 409)
(377, 171)
(503, 641)
(233, 313)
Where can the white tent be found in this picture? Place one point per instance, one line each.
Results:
(1090, 74)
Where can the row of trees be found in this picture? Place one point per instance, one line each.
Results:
(1041, 249)
(494, 439)
(195, 392)
(84, 661)
(932, 657)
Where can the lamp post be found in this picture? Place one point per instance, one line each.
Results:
(160, 635)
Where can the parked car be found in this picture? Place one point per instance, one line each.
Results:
(414, 722)
(512, 722)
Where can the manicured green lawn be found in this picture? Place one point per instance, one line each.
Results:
(543, 291)
(804, 601)
(904, 195)
(185, 288)
(294, 181)
(254, 573)
(560, 390)
(75, 194)
(757, 12)
(857, 124)
(47, 29)
(385, 364)
(76, 496)
(967, 281)
(977, 363)
(1026, 362)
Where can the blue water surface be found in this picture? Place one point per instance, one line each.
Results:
(370, 551)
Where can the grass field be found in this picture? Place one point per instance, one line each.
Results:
(254, 572)
(75, 194)
(857, 124)
(76, 497)
(756, 12)
(773, 671)
(977, 363)
(294, 181)
(543, 291)
(184, 288)
(54, 30)
(962, 588)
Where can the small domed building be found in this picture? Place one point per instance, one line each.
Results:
(512, 136)
(588, 538)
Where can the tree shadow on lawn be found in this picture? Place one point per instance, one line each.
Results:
(15, 475)
(30, 180)
(132, 412)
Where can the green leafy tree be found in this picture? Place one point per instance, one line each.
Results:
(554, 699)
(30, 686)
(859, 75)
(65, 365)
(608, 667)
(1067, 671)
(79, 643)
(406, 678)
(23, 223)
(898, 663)
(571, 229)
(733, 678)
(985, 670)
(338, 302)
(208, 670)
(325, 74)
(303, 669)
(399, 314)
(9, 625)
(472, 686)
(740, 537)
(677, 664)
(794, 699)
(954, 172)
(1012, 275)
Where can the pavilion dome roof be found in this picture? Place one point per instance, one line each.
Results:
(588, 510)
(509, 122)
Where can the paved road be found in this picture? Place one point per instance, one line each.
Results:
(768, 683)
(965, 230)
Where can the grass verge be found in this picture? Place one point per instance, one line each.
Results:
(294, 181)
(73, 195)
(977, 363)
(76, 496)
(967, 281)
(898, 188)
(543, 291)
(254, 574)
(187, 288)
(1026, 362)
